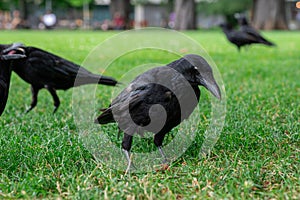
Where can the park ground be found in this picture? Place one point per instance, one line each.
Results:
(256, 156)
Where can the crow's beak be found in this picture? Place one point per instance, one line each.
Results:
(12, 56)
(15, 51)
(211, 85)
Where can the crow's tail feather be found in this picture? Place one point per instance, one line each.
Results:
(95, 79)
(266, 42)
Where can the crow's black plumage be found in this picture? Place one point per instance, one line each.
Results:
(5, 72)
(238, 38)
(247, 28)
(43, 69)
(241, 38)
(173, 87)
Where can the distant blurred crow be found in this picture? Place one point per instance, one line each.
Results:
(240, 38)
(42, 69)
(6, 56)
(160, 99)
(247, 28)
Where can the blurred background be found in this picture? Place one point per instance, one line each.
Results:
(128, 14)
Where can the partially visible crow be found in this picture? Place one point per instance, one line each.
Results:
(247, 28)
(43, 69)
(160, 99)
(6, 56)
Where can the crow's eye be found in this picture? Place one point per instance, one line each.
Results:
(195, 70)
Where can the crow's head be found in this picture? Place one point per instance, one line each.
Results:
(12, 52)
(242, 20)
(197, 71)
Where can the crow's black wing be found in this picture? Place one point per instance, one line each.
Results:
(251, 31)
(133, 94)
(52, 69)
(44, 68)
(129, 104)
(241, 38)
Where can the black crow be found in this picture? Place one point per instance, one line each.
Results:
(6, 55)
(43, 69)
(238, 38)
(247, 28)
(160, 99)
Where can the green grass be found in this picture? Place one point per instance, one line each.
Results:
(257, 155)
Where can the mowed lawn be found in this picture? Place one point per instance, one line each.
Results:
(256, 156)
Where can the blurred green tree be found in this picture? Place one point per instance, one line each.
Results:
(224, 7)
(7, 4)
(78, 3)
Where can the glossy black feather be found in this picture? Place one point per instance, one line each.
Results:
(5, 74)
